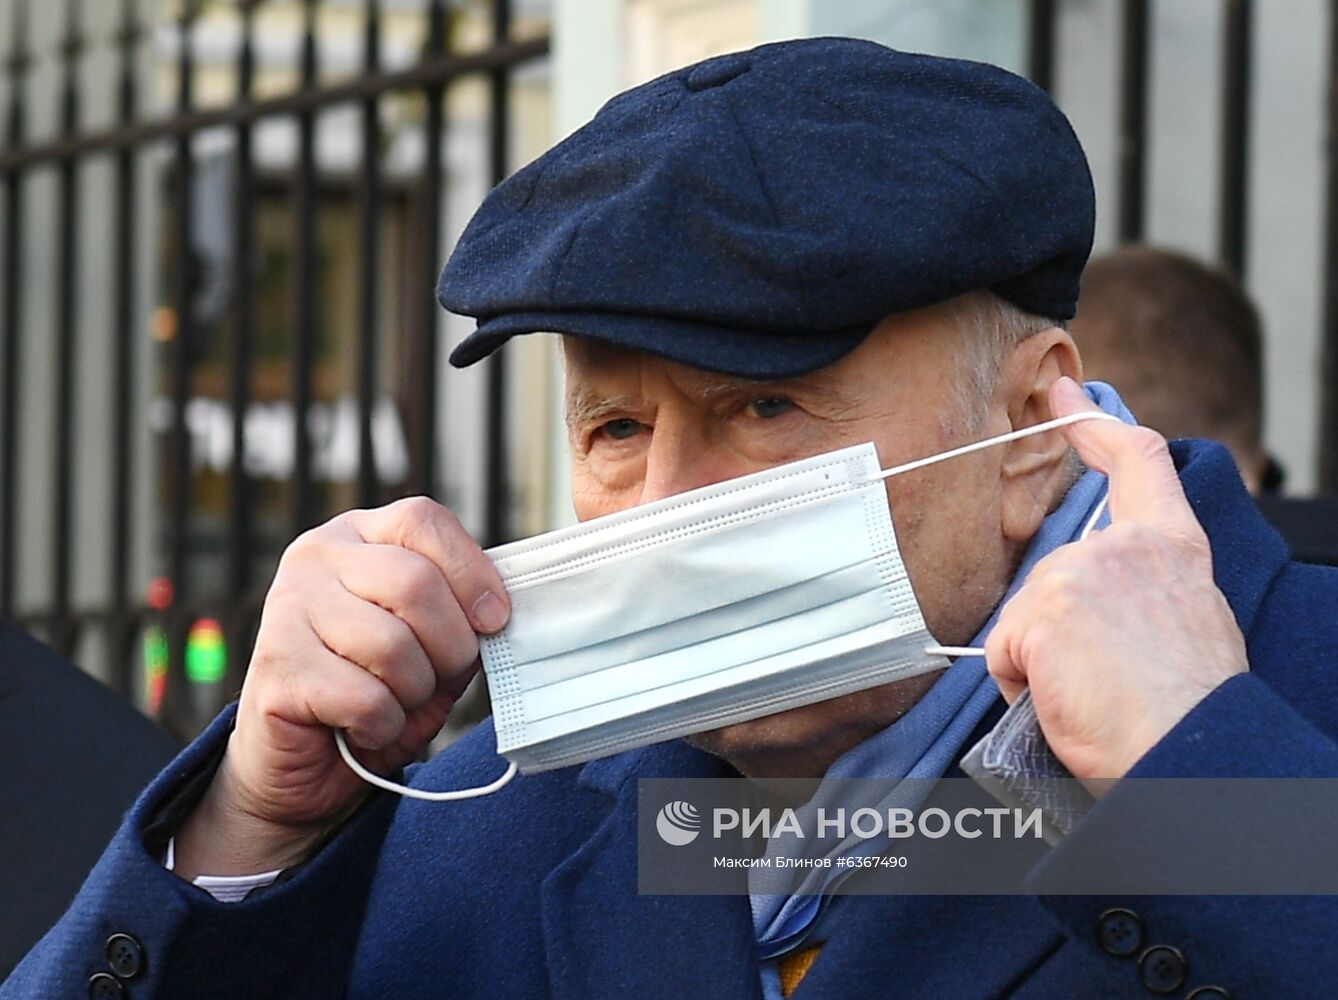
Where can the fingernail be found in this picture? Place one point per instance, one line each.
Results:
(1070, 390)
(489, 613)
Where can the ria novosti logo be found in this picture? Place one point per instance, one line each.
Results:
(678, 823)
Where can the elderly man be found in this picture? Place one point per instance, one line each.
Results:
(761, 258)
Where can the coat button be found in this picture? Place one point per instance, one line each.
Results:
(125, 956)
(1209, 993)
(1119, 932)
(105, 987)
(1162, 968)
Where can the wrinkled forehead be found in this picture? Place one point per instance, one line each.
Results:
(594, 370)
(586, 357)
(925, 342)
(599, 376)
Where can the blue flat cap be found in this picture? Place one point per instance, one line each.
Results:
(757, 214)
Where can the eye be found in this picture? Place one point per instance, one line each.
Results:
(770, 407)
(621, 429)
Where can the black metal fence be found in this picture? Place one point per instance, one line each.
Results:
(1135, 53)
(123, 620)
(1135, 44)
(130, 626)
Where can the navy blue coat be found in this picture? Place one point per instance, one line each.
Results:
(532, 892)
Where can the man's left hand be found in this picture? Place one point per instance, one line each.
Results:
(1119, 635)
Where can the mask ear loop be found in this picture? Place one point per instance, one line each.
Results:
(1049, 425)
(966, 449)
(417, 793)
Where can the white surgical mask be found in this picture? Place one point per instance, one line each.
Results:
(707, 608)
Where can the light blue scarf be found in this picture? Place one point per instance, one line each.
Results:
(922, 744)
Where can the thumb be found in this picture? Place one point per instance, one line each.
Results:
(1143, 484)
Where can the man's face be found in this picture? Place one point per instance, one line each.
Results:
(642, 428)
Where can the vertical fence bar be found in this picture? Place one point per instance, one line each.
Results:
(1135, 58)
(497, 496)
(1328, 419)
(11, 294)
(370, 261)
(305, 277)
(123, 347)
(244, 320)
(1041, 44)
(67, 302)
(181, 341)
(1236, 73)
(424, 478)
(176, 707)
(240, 616)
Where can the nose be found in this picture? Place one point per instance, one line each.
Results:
(678, 462)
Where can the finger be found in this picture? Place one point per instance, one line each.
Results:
(1143, 484)
(342, 695)
(425, 722)
(378, 642)
(412, 587)
(426, 527)
(1009, 673)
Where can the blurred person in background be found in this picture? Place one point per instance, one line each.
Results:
(73, 755)
(1184, 344)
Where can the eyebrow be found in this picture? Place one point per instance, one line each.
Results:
(585, 406)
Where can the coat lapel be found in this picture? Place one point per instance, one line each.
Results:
(927, 947)
(1247, 553)
(921, 947)
(602, 939)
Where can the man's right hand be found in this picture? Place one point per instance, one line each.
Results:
(371, 626)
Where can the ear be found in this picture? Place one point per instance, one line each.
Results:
(1034, 470)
